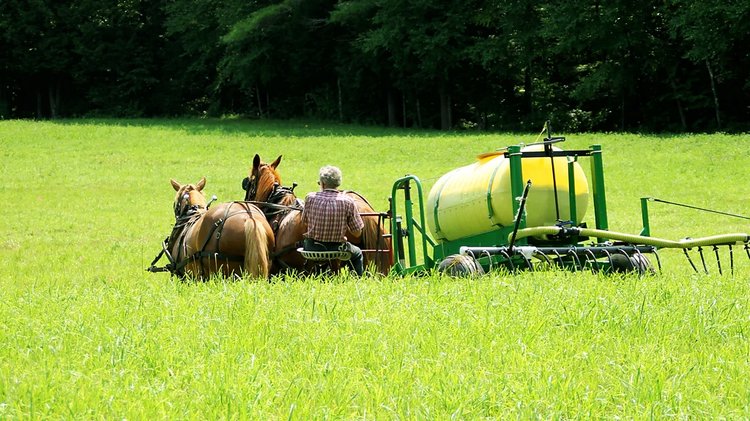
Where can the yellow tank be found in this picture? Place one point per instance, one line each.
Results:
(461, 199)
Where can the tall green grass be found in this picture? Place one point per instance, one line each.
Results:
(86, 333)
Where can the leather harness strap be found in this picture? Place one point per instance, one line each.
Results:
(177, 263)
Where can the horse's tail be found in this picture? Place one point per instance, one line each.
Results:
(257, 247)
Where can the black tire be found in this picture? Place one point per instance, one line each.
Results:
(633, 263)
(460, 265)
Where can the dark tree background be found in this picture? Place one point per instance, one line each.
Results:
(674, 65)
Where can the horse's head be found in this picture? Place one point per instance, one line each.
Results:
(259, 184)
(189, 197)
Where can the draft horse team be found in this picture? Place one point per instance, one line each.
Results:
(259, 236)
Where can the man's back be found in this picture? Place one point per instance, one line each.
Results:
(329, 214)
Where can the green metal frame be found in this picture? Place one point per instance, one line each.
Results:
(646, 231)
(435, 251)
(409, 263)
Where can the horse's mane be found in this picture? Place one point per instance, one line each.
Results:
(267, 177)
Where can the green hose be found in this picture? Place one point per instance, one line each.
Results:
(714, 240)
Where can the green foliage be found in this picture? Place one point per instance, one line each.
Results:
(487, 64)
(86, 333)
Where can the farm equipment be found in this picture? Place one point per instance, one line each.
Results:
(524, 206)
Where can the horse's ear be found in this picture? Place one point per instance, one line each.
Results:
(276, 163)
(256, 162)
(175, 184)
(201, 184)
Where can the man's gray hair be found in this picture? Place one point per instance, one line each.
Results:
(330, 176)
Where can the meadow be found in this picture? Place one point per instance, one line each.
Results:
(87, 333)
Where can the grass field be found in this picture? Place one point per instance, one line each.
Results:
(86, 333)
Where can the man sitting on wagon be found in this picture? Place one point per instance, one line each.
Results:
(328, 214)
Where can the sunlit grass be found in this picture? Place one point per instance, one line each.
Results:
(86, 333)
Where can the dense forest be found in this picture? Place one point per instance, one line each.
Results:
(620, 65)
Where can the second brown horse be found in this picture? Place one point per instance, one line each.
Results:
(284, 211)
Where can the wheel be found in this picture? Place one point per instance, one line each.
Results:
(633, 263)
(460, 265)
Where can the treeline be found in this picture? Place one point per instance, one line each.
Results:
(672, 65)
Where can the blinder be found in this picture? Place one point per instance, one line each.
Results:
(183, 207)
(251, 187)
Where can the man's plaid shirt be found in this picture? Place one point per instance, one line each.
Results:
(328, 214)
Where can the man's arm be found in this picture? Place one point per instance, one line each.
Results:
(354, 222)
(305, 214)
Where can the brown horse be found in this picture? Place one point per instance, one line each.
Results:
(231, 238)
(284, 211)
(374, 241)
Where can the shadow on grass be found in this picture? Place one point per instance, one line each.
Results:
(260, 128)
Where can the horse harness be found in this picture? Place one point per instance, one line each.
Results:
(186, 219)
(274, 210)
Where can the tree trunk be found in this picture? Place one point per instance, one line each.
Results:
(680, 110)
(419, 113)
(54, 99)
(403, 109)
(260, 102)
(391, 109)
(341, 102)
(445, 110)
(527, 91)
(713, 91)
(268, 104)
(39, 115)
(4, 104)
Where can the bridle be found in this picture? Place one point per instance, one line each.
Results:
(183, 209)
(250, 186)
(275, 197)
(186, 215)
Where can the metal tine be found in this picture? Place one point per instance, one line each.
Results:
(471, 254)
(747, 249)
(658, 260)
(624, 253)
(594, 264)
(576, 262)
(546, 259)
(528, 262)
(489, 257)
(641, 258)
(703, 260)
(731, 260)
(609, 259)
(559, 258)
(690, 260)
(510, 261)
(474, 258)
(718, 260)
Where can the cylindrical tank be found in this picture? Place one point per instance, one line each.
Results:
(476, 199)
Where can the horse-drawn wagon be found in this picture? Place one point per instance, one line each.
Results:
(517, 208)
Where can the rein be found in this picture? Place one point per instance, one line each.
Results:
(186, 219)
(272, 207)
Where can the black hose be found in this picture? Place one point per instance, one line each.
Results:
(521, 208)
